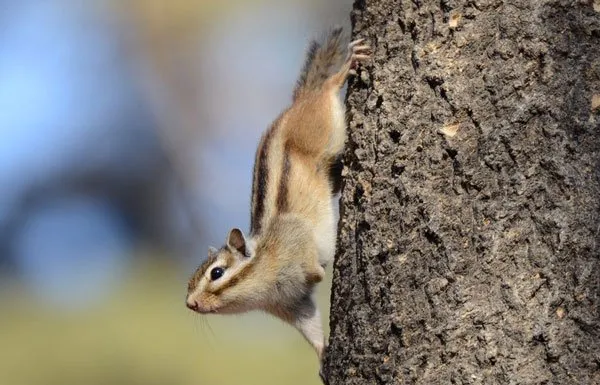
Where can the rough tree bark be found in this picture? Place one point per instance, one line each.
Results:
(468, 250)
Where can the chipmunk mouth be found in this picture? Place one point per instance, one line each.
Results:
(202, 305)
(196, 308)
(207, 311)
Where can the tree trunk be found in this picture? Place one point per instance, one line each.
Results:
(471, 208)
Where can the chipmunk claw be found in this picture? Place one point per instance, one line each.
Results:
(323, 377)
(355, 43)
(358, 52)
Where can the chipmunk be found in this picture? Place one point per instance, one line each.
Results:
(293, 229)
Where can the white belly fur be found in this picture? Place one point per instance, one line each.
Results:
(338, 134)
(325, 230)
(325, 234)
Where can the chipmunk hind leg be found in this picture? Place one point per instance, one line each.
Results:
(315, 125)
(356, 52)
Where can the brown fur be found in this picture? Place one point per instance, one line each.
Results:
(292, 235)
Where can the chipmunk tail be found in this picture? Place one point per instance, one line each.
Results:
(323, 58)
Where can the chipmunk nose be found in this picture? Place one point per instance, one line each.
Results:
(192, 305)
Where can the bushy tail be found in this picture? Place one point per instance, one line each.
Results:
(322, 60)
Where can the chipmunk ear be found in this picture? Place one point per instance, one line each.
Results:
(212, 252)
(237, 241)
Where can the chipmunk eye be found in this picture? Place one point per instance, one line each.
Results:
(216, 273)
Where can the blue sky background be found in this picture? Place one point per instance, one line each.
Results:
(72, 108)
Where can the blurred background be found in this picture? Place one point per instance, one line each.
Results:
(127, 136)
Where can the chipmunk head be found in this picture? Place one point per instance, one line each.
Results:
(214, 286)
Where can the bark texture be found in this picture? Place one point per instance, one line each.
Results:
(468, 245)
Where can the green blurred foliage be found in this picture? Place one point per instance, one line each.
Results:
(143, 334)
